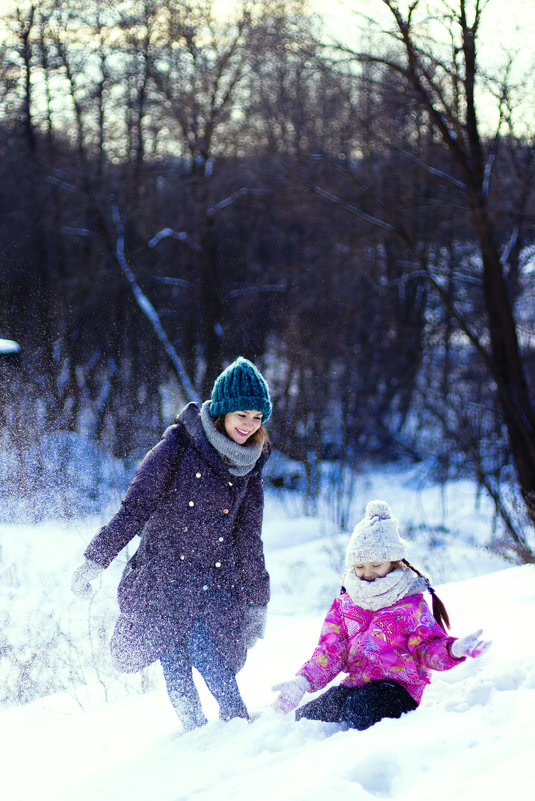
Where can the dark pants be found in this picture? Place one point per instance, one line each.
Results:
(359, 707)
(198, 650)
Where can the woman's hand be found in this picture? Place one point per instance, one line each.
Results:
(291, 692)
(255, 624)
(82, 576)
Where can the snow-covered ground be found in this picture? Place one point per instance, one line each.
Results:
(473, 735)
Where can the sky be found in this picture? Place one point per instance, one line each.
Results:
(506, 33)
(507, 30)
(502, 33)
(516, 22)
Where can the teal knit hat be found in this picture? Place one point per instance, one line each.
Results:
(240, 387)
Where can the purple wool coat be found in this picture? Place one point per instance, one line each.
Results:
(200, 555)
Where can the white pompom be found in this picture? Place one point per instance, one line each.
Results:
(378, 509)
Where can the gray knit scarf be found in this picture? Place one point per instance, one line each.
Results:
(384, 591)
(239, 459)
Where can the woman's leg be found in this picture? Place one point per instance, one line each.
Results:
(219, 678)
(181, 688)
(368, 704)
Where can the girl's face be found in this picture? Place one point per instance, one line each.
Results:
(369, 571)
(240, 425)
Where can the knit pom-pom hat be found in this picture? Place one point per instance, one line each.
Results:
(240, 387)
(376, 538)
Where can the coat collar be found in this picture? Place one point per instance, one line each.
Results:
(190, 418)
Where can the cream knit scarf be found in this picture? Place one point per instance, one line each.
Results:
(239, 459)
(384, 591)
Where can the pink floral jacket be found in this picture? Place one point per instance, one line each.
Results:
(402, 643)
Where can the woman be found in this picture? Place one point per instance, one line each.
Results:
(196, 591)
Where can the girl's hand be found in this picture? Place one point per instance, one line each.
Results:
(471, 645)
(291, 693)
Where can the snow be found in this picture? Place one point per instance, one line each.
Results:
(9, 346)
(101, 739)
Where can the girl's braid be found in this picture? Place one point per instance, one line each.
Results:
(439, 610)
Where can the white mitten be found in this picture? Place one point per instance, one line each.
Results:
(291, 693)
(82, 576)
(255, 624)
(472, 645)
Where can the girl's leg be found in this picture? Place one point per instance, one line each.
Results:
(181, 688)
(327, 707)
(219, 678)
(368, 704)
(359, 707)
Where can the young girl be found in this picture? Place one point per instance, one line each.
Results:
(380, 632)
(196, 591)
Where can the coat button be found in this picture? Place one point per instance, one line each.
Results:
(221, 539)
(218, 564)
(182, 556)
(191, 503)
(197, 475)
(205, 587)
(225, 511)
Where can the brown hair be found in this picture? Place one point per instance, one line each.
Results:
(439, 610)
(259, 437)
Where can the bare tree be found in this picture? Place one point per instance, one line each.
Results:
(199, 64)
(442, 78)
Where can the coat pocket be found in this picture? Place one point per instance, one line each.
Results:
(132, 591)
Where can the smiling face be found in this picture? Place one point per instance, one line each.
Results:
(239, 426)
(369, 571)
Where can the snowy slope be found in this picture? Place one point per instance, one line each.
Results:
(473, 735)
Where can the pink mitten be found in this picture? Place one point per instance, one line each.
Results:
(291, 693)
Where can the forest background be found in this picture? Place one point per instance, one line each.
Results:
(179, 186)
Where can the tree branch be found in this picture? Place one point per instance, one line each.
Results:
(149, 311)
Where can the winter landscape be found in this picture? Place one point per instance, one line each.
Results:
(343, 193)
(472, 735)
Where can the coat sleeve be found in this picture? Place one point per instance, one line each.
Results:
(428, 643)
(249, 546)
(150, 482)
(330, 655)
